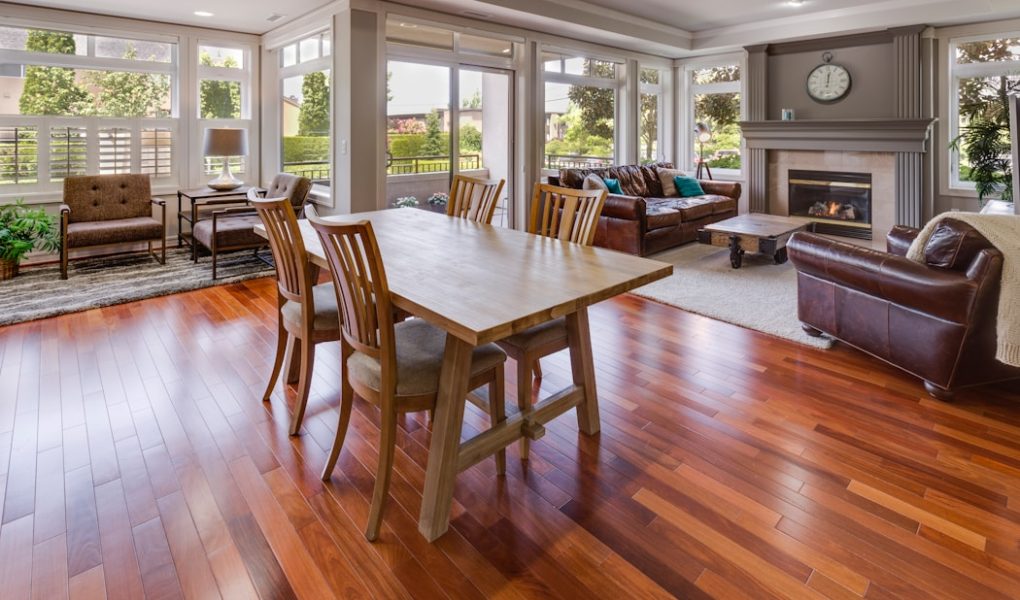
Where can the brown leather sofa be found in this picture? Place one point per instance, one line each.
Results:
(935, 320)
(103, 210)
(643, 221)
(234, 228)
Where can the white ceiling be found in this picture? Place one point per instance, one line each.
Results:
(246, 16)
(672, 28)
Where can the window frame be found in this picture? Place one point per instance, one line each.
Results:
(300, 69)
(687, 150)
(955, 72)
(618, 83)
(661, 91)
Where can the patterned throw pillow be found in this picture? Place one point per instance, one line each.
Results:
(666, 177)
(594, 182)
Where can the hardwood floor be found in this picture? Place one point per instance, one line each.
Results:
(137, 460)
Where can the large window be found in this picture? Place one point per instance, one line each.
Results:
(75, 103)
(580, 111)
(713, 118)
(984, 72)
(305, 108)
(224, 97)
(650, 144)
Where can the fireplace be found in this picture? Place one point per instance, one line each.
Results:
(839, 203)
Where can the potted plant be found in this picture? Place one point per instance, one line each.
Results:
(437, 202)
(21, 230)
(986, 146)
(406, 202)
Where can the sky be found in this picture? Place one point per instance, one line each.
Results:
(418, 88)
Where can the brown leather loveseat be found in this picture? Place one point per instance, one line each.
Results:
(935, 320)
(105, 210)
(643, 220)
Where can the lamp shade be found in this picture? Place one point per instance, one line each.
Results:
(225, 142)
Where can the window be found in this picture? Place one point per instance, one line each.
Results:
(580, 111)
(305, 109)
(224, 84)
(984, 72)
(713, 101)
(80, 102)
(650, 146)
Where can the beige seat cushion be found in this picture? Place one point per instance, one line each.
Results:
(327, 316)
(539, 335)
(420, 349)
(231, 231)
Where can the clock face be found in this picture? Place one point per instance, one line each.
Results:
(828, 83)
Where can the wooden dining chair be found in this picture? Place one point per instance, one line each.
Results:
(394, 366)
(306, 313)
(474, 199)
(565, 214)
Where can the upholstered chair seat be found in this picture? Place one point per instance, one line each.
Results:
(539, 335)
(327, 317)
(236, 231)
(420, 348)
(99, 233)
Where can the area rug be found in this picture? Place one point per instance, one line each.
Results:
(93, 283)
(760, 295)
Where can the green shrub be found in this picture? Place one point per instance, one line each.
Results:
(412, 144)
(298, 149)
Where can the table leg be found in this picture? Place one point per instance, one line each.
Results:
(180, 231)
(780, 256)
(736, 252)
(582, 367)
(444, 451)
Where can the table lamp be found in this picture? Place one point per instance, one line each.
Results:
(225, 143)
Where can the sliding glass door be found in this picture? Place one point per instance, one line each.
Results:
(444, 119)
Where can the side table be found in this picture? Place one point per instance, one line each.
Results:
(203, 197)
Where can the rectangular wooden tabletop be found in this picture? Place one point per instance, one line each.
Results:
(760, 225)
(482, 283)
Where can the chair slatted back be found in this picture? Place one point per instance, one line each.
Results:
(293, 276)
(474, 199)
(565, 213)
(363, 294)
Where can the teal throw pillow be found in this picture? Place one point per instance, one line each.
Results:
(688, 186)
(614, 186)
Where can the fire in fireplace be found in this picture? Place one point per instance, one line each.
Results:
(840, 203)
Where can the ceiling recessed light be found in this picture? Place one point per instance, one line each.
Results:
(795, 3)
(203, 13)
(409, 26)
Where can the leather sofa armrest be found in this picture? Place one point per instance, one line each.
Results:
(553, 180)
(946, 295)
(721, 188)
(631, 208)
(899, 238)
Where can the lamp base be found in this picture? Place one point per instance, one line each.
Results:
(226, 181)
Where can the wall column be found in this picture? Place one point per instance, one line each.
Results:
(756, 159)
(912, 193)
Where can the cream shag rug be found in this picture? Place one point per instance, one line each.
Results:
(760, 295)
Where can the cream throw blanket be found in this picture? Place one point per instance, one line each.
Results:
(1003, 231)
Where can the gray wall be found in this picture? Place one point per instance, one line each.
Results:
(871, 94)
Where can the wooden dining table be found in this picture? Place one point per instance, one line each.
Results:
(480, 284)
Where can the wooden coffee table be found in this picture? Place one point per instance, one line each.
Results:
(765, 234)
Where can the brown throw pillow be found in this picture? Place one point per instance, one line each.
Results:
(666, 179)
(953, 245)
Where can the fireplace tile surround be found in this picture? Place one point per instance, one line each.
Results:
(880, 165)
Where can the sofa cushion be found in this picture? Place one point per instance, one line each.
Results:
(658, 217)
(690, 209)
(107, 197)
(230, 231)
(97, 233)
(953, 245)
(594, 182)
(666, 176)
(688, 187)
(635, 180)
(327, 316)
(721, 204)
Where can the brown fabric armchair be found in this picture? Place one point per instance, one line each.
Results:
(103, 210)
(232, 229)
(643, 221)
(935, 320)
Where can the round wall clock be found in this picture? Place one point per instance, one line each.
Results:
(828, 82)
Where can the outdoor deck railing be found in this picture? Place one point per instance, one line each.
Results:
(565, 161)
(413, 165)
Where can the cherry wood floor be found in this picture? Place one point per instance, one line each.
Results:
(136, 460)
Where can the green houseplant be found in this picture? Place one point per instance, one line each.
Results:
(21, 230)
(986, 146)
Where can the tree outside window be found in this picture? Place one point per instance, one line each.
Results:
(716, 103)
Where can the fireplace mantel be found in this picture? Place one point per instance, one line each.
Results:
(846, 135)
